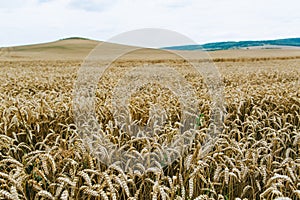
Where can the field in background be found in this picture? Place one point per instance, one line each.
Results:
(78, 49)
(43, 157)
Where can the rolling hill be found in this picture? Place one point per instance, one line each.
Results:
(292, 42)
(76, 48)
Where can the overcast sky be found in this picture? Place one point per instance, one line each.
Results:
(35, 21)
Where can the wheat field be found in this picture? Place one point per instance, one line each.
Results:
(256, 156)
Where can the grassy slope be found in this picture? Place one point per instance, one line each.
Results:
(62, 49)
(292, 42)
(78, 49)
(67, 46)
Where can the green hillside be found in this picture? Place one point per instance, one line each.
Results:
(295, 42)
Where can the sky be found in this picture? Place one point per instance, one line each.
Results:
(35, 21)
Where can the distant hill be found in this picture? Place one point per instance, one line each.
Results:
(293, 42)
(75, 38)
(73, 44)
(77, 48)
(74, 48)
(67, 48)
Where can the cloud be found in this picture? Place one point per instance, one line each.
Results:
(44, 1)
(92, 5)
(14, 4)
(176, 3)
(32, 21)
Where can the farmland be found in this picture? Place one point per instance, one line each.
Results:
(256, 155)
